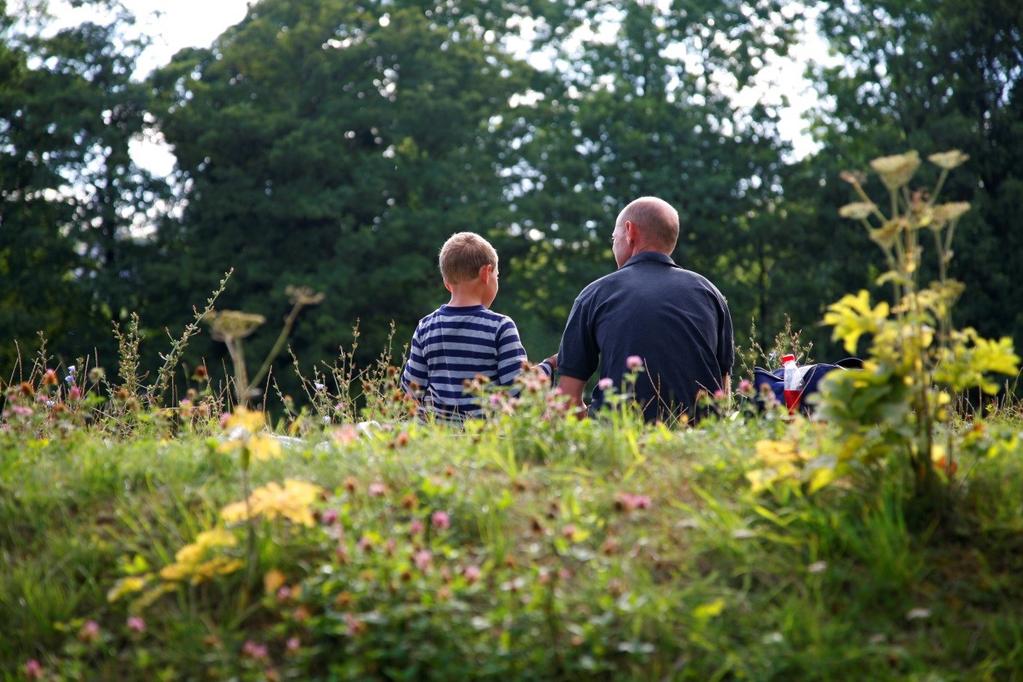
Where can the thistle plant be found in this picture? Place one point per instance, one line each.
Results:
(899, 402)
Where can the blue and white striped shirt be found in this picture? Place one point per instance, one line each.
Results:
(454, 344)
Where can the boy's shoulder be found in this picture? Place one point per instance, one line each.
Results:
(478, 313)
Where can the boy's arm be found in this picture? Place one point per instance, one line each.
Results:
(415, 378)
(510, 354)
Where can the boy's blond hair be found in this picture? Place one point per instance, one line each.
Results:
(462, 256)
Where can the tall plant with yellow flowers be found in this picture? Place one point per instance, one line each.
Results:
(898, 403)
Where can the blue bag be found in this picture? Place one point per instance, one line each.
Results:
(775, 380)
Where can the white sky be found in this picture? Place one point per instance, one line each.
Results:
(176, 24)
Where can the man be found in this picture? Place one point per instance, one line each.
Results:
(675, 321)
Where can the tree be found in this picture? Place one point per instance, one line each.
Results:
(69, 192)
(334, 145)
(640, 108)
(931, 76)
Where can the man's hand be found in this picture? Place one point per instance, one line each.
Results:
(552, 361)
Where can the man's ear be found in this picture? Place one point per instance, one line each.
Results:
(631, 232)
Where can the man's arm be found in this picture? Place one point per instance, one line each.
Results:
(573, 388)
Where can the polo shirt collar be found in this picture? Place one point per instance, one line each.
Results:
(649, 256)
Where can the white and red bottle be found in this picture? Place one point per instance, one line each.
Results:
(788, 363)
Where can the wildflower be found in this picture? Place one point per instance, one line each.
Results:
(283, 593)
(948, 160)
(254, 650)
(858, 210)
(33, 669)
(246, 420)
(377, 489)
(27, 390)
(416, 527)
(191, 560)
(74, 394)
(605, 383)
(127, 585)
(329, 517)
(136, 624)
(719, 394)
(918, 614)
(353, 625)
(629, 502)
(21, 410)
(366, 543)
(896, 171)
(273, 580)
(440, 520)
(264, 447)
(745, 388)
(402, 439)
(293, 644)
(568, 531)
(49, 378)
(817, 567)
(634, 362)
(97, 374)
(410, 501)
(949, 213)
(292, 502)
(185, 408)
(422, 559)
(351, 484)
(853, 177)
(89, 632)
(471, 574)
(319, 387)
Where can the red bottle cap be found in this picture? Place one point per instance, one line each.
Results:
(787, 358)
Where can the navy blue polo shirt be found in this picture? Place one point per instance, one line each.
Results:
(672, 318)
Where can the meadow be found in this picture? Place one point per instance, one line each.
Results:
(520, 548)
(196, 536)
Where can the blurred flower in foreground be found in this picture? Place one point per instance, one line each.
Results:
(292, 502)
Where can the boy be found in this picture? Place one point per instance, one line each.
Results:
(464, 338)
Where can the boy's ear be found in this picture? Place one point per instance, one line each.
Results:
(447, 285)
(484, 273)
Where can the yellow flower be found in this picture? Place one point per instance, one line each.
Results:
(125, 586)
(273, 580)
(948, 160)
(896, 171)
(859, 210)
(246, 419)
(774, 453)
(189, 559)
(292, 502)
(950, 212)
(263, 447)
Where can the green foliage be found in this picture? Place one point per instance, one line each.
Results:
(896, 404)
(518, 548)
(70, 195)
(938, 75)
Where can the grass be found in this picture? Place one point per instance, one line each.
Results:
(548, 569)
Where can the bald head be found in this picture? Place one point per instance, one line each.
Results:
(656, 221)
